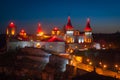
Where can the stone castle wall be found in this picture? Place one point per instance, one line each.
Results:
(53, 46)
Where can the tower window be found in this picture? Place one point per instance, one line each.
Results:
(76, 33)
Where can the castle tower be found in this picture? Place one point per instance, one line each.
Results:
(69, 25)
(22, 32)
(88, 32)
(39, 30)
(11, 30)
(22, 35)
(56, 31)
(69, 34)
(88, 28)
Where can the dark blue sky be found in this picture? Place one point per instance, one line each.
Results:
(104, 14)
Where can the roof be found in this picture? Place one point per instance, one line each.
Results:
(39, 29)
(11, 25)
(69, 25)
(22, 31)
(54, 39)
(55, 28)
(88, 28)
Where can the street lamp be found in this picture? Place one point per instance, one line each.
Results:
(100, 63)
(71, 50)
(104, 66)
(116, 66)
(88, 60)
(90, 63)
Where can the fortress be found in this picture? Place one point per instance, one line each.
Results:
(61, 41)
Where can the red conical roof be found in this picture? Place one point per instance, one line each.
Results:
(22, 31)
(88, 28)
(11, 25)
(55, 39)
(69, 25)
(39, 28)
(55, 29)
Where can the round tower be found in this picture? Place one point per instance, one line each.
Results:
(11, 30)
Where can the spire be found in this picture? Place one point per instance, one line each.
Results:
(39, 28)
(88, 28)
(69, 25)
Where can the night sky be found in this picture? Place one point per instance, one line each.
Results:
(104, 14)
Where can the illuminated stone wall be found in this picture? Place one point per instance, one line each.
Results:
(56, 46)
(53, 46)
